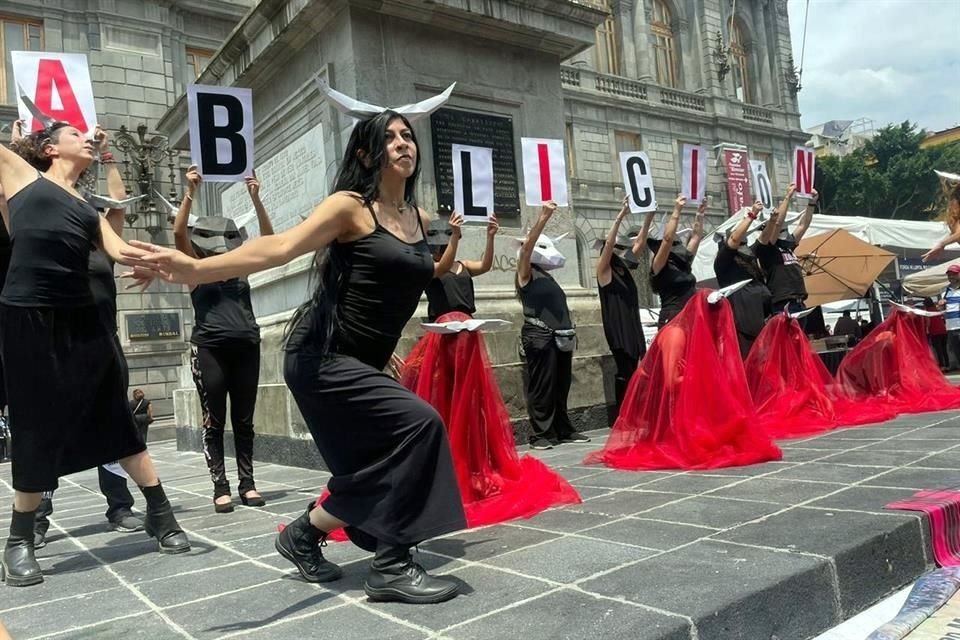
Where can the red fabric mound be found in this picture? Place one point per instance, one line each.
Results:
(792, 390)
(895, 367)
(688, 405)
(452, 373)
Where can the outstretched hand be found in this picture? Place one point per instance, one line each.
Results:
(492, 226)
(152, 261)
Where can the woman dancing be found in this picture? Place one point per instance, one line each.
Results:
(55, 343)
(393, 482)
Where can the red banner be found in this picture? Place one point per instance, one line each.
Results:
(737, 166)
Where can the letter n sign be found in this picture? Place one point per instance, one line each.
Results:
(221, 132)
(638, 181)
(804, 164)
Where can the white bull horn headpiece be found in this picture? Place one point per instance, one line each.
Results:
(362, 110)
(545, 254)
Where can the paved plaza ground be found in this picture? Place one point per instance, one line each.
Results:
(784, 550)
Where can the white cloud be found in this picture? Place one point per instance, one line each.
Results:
(887, 60)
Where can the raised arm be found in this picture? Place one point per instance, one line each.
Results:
(115, 187)
(669, 231)
(772, 230)
(944, 243)
(480, 267)
(639, 247)
(604, 275)
(181, 230)
(15, 172)
(331, 219)
(694, 243)
(450, 253)
(740, 231)
(263, 220)
(530, 243)
(807, 216)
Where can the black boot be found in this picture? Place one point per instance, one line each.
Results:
(41, 523)
(300, 543)
(20, 568)
(395, 577)
(160, 523)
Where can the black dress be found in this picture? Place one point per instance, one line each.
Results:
(620, 310)
(393, 479)
(783, 271)
(55, 343)
(675, 284)
(451, 292)
(751, 305)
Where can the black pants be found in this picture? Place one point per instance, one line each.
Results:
(939, 344)
(114, 489)
(549, 373)
(626, 366)
(230, 370)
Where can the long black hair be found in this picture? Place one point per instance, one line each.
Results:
(360, 171)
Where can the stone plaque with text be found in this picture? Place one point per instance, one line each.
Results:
(452, 126)
(153, 326)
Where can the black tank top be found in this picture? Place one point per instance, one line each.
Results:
(223, 314)
(545, 300)
(675, 284)
(450, 292)
(104, 288)
(379, 281)
(5, 249)
(620, 310)
(783, 270)
(52, 233)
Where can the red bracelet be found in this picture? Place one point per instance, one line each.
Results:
(106, 156)
(752, 215)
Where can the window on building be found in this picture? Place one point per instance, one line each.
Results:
(608, 49)
(16, 35)
(739, 63)
(664, 44)
(571, 151)
(198, 59)
(624, 141)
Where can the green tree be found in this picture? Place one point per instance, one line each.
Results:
(891, 176)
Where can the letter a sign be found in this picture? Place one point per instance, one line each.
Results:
(638, 181)
(804, 164)
(221, 132)
(544, 171)
(473, 182)
(58, 84)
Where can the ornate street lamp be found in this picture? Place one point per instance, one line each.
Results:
(143, 159)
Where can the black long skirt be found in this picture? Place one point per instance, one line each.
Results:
(393, 478)
(66, 391)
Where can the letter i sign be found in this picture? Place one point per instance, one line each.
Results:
(58, 84)
(544, 171)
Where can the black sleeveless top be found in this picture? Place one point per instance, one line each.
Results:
(545, 300)
(52, 234)
(223, 314)
(620, 310)
(675, 284)
(783, 269)
(450, 292)
(5, 249)
(104, 288)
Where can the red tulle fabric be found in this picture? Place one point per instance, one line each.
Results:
(793, 393)
(894, 366)
(688, 405)
(452, 373)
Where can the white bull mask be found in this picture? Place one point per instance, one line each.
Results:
(545, 253)
(361, 110)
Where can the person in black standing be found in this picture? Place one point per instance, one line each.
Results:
(224, 347)
(775, 251)
(620, 304)
(142, 411)
(54, 343)
(547, 337)
(736, 262)
(453, 290)
(393, 484)
(671, 270)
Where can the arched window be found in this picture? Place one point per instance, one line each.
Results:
(739, 63)
(608, 50)
(664, 45)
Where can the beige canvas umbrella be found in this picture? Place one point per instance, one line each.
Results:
(930, 282)
(838, 266)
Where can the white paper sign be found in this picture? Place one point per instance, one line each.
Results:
(473, 182)
(762, 189)
(58, 84)
(456, 326)
(638, 181)
(544, 171)
(804, 164)
(694, 167)
(221, 132)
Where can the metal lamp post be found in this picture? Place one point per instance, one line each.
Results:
(143, 159)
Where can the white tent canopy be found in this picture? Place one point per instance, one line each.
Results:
(905, 234)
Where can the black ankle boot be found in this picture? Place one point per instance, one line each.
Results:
(160, 523)
(395, 577)
(41, 523)
(300, 543)
(20, 567)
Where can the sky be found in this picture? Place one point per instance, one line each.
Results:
(887, 60)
